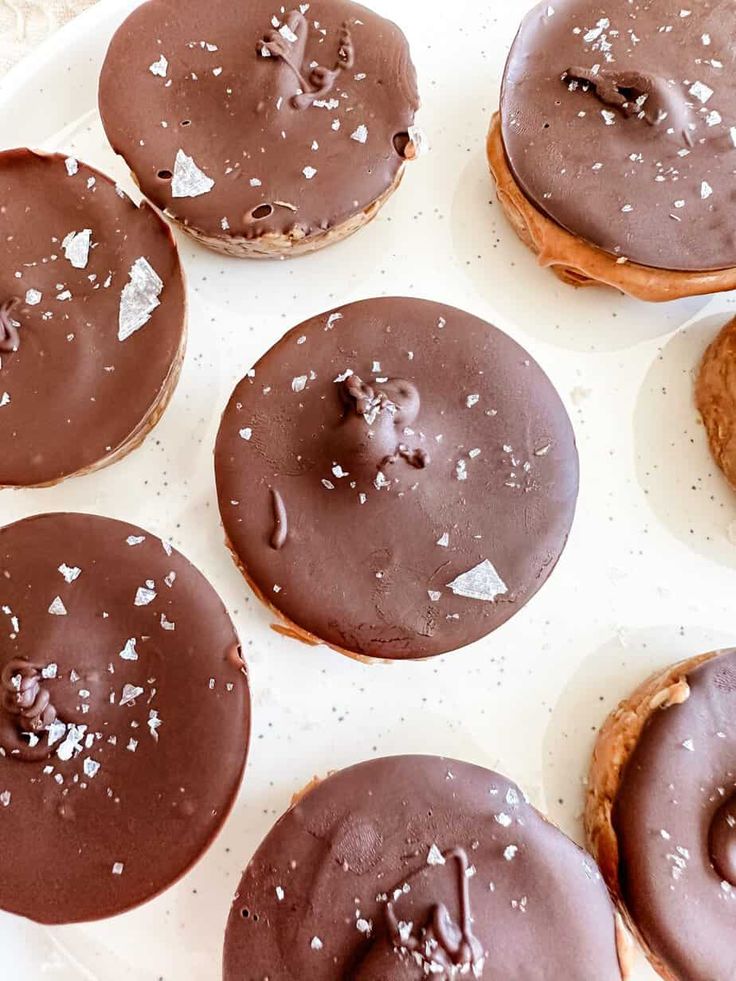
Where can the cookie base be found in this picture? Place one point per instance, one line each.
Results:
(615, 744)
(272, 246)
(715, 397)
(578, 263)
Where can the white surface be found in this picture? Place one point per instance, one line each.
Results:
(647, 577)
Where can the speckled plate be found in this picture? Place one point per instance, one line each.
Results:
(648, 576)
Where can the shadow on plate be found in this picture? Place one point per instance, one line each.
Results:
(676, 471)
(506, 274)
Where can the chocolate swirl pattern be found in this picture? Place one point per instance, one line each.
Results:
(442, 946)
(26, 711)
(289, 44)
(25, 697)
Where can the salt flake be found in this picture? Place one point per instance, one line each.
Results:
(481, 582)
(139, 298)
(57, 608)
(160, 67)
(189, 181)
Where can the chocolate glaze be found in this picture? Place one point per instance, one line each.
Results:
(671, 817)
(71, 392)
(618, 122)
(258, 106)
(454, 440)
(415, 866)
(124, 716)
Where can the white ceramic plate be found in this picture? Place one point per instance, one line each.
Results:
(648, 575)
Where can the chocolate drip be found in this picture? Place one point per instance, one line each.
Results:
(442, 946)
(363, 399)
(418, 459)
(25, 712)
(24, 697)
(376, 416)
(9, 336)
(635, 93)
(281, 521)
(318, 81)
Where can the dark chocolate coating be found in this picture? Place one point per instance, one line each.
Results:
(446, 428)
(675, 853)
(73, 393)
(363, 853)
(239, 115)
(618, 122)
(105, 627)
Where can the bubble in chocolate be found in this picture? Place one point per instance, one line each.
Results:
(722, 841)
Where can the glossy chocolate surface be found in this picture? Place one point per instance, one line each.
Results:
(92, 317)
(124, 716)
(397, 477)
(415, 866)
(248, 119)
(619, 122)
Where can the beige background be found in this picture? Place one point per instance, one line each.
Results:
(24, 23)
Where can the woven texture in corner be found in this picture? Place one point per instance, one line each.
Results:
(25, 23)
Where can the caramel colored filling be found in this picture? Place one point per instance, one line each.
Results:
(578, 263)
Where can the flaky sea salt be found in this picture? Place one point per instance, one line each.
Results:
(129, 653)
(57, 607)
(144, 595)
(482, 582)
(139, 298)
(160, 67)
(188, 180)
(701, 91)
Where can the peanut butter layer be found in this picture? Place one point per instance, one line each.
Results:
(579, 263)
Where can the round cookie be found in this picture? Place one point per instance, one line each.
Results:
(661, 820)
(396, 478)
(124, 716)
(92, 319)
(715, 396)
(262, 131)
(614, 153)
(414, 866)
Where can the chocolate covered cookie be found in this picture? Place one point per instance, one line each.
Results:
(715, 395)
(262, 130)
(615, 148)
(124, 716)
(417, 866)
(396, 478)
(661, 815)
(92, 319)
